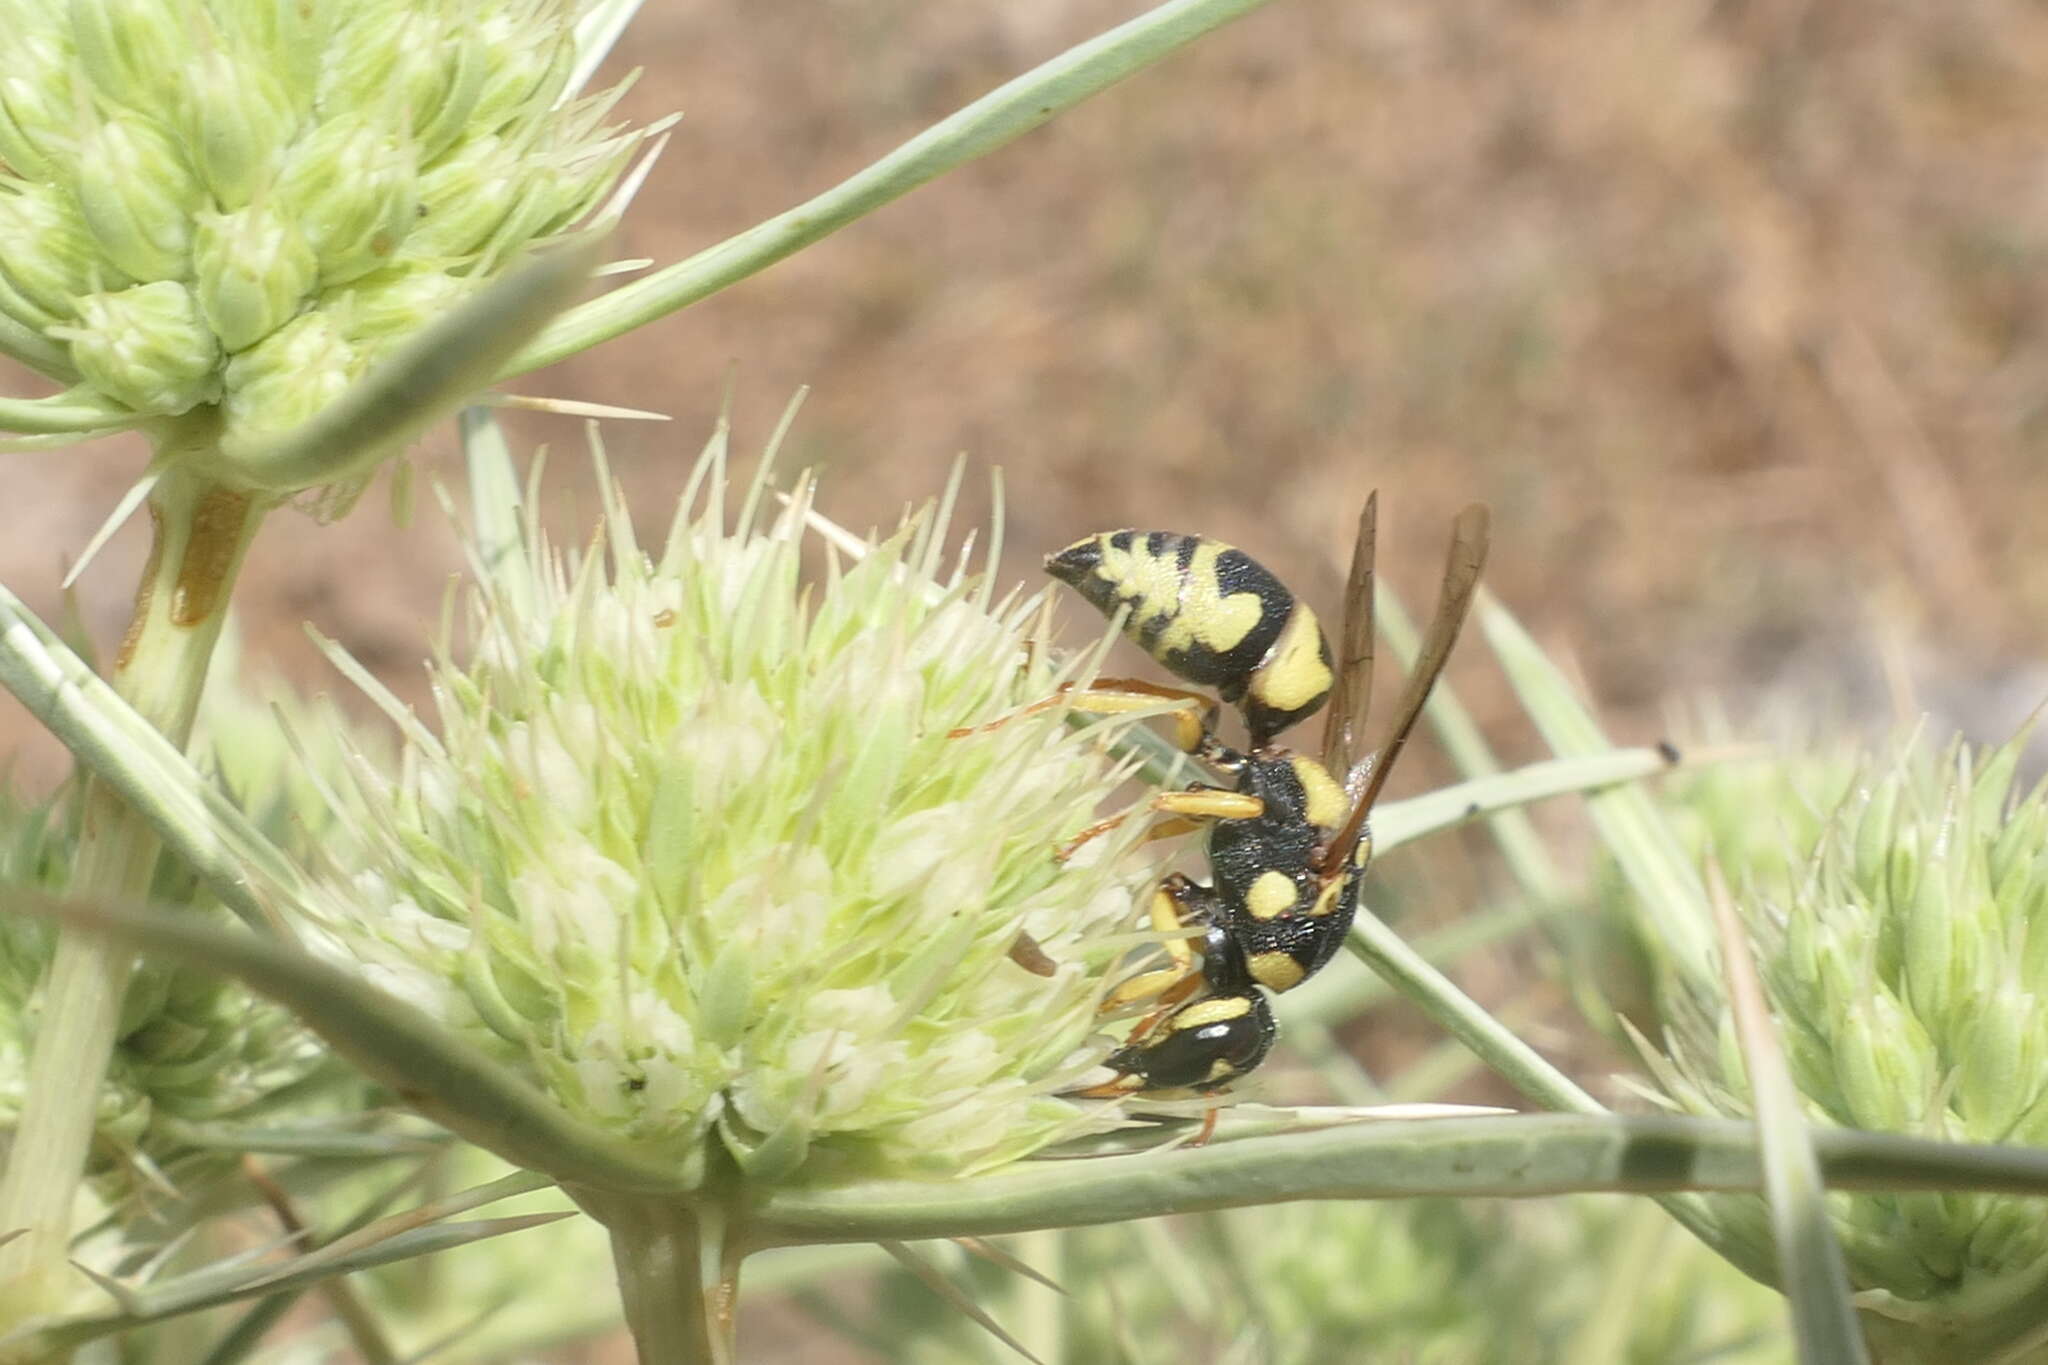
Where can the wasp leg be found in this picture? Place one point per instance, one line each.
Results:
(1187, 810)
(1176, 904)
(1194, 715)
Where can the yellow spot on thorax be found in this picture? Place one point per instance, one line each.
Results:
(1294, 673)
(1272, 893)
(1276, 971)
(1327, 806)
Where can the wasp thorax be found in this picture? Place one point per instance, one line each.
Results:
(1211, 614)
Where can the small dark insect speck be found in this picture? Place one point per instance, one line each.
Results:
(1471, 810)
(637, 1083)
(1668, 751)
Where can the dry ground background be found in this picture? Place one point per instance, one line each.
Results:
(1734, 312)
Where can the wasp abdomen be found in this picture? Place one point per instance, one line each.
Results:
(1212, 614)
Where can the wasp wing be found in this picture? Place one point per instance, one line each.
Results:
(1454, 600)
(1351, 699)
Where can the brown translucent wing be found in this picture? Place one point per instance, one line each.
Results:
(1461, 580)
(1351, 699)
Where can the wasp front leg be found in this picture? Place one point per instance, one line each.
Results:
(1187, 810)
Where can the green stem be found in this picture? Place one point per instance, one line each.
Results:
(678, 1273)
(201, 533)
(1004, 113)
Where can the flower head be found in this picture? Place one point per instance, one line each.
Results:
(1899, 910)
(695, 850)
(188, 193)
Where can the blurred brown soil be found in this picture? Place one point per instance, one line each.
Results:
(1734, 312)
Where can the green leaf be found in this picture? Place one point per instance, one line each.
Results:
(79, 411)
(1643, 846)
(1400, 822)
(1810, 1268)
(996, 118)
(215, 839)
(243, 1281)
(424, 380)
(1517, 1157)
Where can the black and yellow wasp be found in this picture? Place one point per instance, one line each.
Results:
(1288, 843)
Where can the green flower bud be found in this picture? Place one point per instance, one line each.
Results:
(1885, 1062)
(409, 60)
(131, 50)
(253, 269)
(1998, 1060)
(46, 253)
(523, 67)
(393, 304)
(138, 197)
(283, 381)
(465, 198)
(148, 347)
(351, 188)
(236, 118)
(38, 101)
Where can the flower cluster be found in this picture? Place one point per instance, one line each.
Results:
(693, 849)
(1899, 910)
(241, 205)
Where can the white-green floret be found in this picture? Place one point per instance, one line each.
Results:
(693, 849)
(235, 208)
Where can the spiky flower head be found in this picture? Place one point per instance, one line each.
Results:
(1899, 909)
(694, 850)
(234, 208)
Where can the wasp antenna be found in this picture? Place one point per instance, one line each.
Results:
(1351, 700)
(1462, 568)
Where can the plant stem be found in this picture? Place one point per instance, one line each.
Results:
(678, 1273)
(201, 533)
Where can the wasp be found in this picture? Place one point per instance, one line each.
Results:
(1288, 841)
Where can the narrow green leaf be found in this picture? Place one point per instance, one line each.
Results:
(1457, 1013)
(213, 1288)
(1517, 1157)
(597, 31)
(29, 346)
(1810, 1268)
(439, 1074)
(929, 1275)
(424, 380)
(1400, 822)
(1643, 846)
(195, 821)
(79, 411)
(991, 121)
